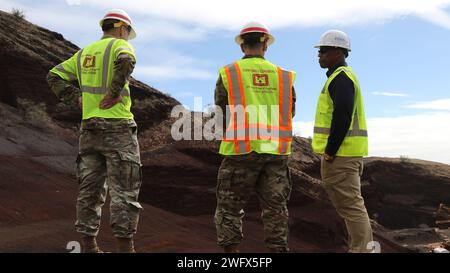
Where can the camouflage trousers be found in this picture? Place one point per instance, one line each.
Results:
(108, 160)
(267, 175)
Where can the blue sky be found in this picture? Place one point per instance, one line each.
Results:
(399, 53)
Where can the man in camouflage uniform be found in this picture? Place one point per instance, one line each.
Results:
(108, 146)
(265, 172)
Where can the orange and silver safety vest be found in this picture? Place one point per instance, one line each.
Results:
(259, 111)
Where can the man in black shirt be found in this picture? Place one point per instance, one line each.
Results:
(340, 136)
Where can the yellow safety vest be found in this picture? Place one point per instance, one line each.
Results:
(259, 111)
(93, 68)
(356, 141)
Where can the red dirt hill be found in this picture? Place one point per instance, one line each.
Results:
(38, 146)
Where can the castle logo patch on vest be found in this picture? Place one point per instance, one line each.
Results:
(260, 79)
(89, 61)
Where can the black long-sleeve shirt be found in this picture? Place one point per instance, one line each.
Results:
(342, 92)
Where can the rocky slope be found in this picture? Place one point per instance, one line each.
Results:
(38, 146)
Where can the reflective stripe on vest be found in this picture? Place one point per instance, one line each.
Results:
(72, 77)
(285, 117)
(236, 91)
(355, 131)
(240, 131)
(105, 72)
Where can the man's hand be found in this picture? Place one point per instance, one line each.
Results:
(108, 101)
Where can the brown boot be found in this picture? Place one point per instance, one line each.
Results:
(125, 245)
(89, 245)
(231, 249)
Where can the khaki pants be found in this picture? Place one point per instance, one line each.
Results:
(341, 179)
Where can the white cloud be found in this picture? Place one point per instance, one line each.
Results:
(422, 136)
(234, 13)
(390, 94)
(303, 128)
(442, 104)
(180, 20)
(185, 94)
(73, 2)
(65, 19)
(62, 18)
(436, 16)
(166, 72)
(158, 30)
(168, 64)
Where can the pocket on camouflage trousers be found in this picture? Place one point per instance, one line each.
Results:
(130, 171)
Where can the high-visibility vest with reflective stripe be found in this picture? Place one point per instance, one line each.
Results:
(93, 68)
(356, 141)
(259, 108)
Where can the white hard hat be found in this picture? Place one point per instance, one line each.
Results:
(120, 15)
(334, 38)
(254, 27)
